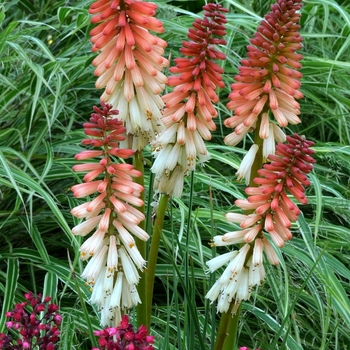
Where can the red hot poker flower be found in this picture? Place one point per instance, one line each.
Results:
(199, 74)
(272, 212)
(189, 107)
(112, 250)
(129, 64)
(286, 173)
(268, 79)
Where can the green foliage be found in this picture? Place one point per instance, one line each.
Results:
(46, 93)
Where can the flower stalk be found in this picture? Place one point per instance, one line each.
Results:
(153, 254)
(129, 67)
(187, 118)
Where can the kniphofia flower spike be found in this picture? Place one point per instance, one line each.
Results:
(129, 65)
(272, 215)
(114, 258)
(267, 85)
(189, 107)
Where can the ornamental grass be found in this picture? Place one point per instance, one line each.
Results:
(174, 175)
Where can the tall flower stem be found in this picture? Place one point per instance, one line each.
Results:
(153, 255)
(187, 300)
(227, 332)
(267, 83)
(230, 342)
(222, 333)
(141, 245)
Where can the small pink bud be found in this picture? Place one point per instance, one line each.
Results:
(41, 307)
(26, 345)
(32, 318)
(88, 154)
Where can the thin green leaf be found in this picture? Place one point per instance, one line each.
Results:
(11, 285)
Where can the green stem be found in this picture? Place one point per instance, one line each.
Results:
(141, 245)
(230, 342)
(188, 301)
(223, 333)
(153, 255)
(228, 328)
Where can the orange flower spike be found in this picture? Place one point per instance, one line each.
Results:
(272, 213)
(111, 215)
(267, 78)
(129, 65)
(189, 108)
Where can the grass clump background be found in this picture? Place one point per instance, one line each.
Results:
(47, 90)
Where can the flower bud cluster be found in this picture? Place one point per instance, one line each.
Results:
(268, 79)
(129, 65)
(189, 107)
(111, 271)
(272, 212)
(35, 331)
(124, 337)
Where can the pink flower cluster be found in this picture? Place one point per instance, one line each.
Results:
(267, 80)
(34, 332)
(124, 337)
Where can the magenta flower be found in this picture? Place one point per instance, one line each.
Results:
(34, 332)
(124, 337)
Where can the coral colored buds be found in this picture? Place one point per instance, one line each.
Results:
(268, 79)
(272, 213)
(189, 107)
